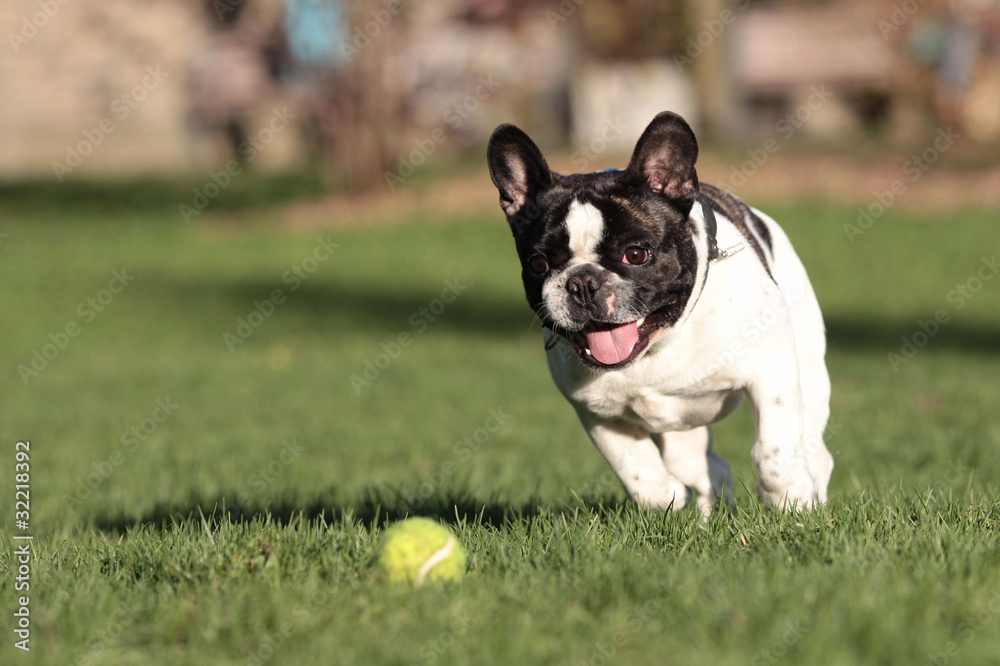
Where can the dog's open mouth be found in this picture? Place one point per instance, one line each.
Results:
(609, 346)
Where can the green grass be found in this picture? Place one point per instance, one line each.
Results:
(206, 540)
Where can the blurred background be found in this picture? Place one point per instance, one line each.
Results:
(253, 267)
(363, 94)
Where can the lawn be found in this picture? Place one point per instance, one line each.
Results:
(225, 416)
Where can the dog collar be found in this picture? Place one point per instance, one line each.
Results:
(715, 255)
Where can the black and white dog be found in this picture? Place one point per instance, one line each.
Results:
(656, 323)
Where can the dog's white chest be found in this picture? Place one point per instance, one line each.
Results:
(653, 408)
(670, 413)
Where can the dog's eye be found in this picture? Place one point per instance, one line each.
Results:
(636, 256)
(539, 264)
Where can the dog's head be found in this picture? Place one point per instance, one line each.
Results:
(609, 259)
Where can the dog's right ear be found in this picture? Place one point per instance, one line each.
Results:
(517, 167)
(664, 158)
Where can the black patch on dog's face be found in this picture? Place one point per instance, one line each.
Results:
(645, 206)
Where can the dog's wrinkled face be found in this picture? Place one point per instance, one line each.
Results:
(608, 259)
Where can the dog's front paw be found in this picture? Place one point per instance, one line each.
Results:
(796, 496)
(673, 498)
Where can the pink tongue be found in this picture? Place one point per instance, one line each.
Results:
(613, 345)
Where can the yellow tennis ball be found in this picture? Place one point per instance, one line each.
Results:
(419, 550)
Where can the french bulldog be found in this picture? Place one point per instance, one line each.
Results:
(664, 301)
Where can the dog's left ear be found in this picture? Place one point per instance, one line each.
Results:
(664, 157)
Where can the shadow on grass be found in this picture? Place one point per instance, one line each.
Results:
(381, 312)
(152, 195)
(376, 507)
(358, 309)
(408, 309)
(886, 335)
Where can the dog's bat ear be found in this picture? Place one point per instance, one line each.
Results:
(664, 157)
(517, 167)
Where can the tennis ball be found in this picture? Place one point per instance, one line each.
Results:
(418, 550)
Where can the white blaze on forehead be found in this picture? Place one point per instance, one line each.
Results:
(586, 228)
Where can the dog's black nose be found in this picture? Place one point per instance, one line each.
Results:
(582, 287)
